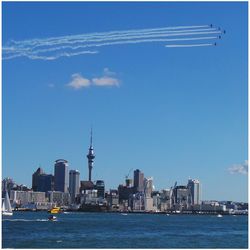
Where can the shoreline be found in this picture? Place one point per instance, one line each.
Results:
(199, 213)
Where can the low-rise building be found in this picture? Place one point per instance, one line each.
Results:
(60, 198)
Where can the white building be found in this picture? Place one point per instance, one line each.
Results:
(195, 189)
(26, 197)
(60, 198)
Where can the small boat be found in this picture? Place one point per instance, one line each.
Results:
(219, 215)
(52, 218)
(55, 210)
(6, 207)
(124, 214)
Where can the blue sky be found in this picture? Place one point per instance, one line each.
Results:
(174, 113)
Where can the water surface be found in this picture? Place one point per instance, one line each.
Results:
(114, 230)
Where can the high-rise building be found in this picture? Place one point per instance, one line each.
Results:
(35, 178)
(74, 184)
(61, 176)
(148, 186)
(194, 187)
(181, 194)
(42, 182)
(138, 181)
(45, 183)
(100, 187)
(90, 156)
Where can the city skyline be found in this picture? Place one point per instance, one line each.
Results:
(174, 112)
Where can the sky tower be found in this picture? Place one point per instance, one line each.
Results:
(90, 156)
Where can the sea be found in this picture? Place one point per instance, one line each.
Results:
(121, 230)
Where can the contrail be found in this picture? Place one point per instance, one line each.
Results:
(72, 45)
(189, 45)
(105, 37)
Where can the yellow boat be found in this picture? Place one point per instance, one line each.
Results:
(55, 210)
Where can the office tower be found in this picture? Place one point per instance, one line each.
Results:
(90, 156)
(45, 183)
(74, 184)
(35, 178)
(148, 186)
(100, 187)
(194, 187)
(181, 195)
(138, 181)
(42, 182)
(61, 175)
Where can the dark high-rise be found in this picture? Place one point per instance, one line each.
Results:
(100, 187)
(42, 182)
(90, 157)
(61, 175)
(35, 178)
(138, 181)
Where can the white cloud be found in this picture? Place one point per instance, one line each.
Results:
(79, 82)
(105, 81)
(108, 79)
(239, 168)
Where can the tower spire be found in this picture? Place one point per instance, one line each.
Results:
(90, 155)
(91, 135)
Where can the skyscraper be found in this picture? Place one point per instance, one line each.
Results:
(90, 156)
(194, 188)
(74, 184)
(35, 178)
(138, 181)
(42, 182)
(61, 175)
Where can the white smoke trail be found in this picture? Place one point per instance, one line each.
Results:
(189, 45)
(72, 45)
(100, 38)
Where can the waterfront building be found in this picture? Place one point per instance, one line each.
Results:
(124, 193)
(61, 176)
(156, 201)
(137, 201)
(195, 189)
(86, 185)
(165, 199)
(60, 198)
(23, 198)
(74, 184)
(138, 181)
(113, 199)
(181, 197)
(90, 157)
(100, 187)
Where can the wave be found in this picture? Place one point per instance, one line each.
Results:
(24, 220)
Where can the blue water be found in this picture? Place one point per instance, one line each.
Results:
(109, 230)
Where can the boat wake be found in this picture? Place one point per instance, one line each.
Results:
(24, 220)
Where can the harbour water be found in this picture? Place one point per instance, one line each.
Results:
(115, 230)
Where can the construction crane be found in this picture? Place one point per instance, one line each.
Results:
(126, 176)
(171, 193)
